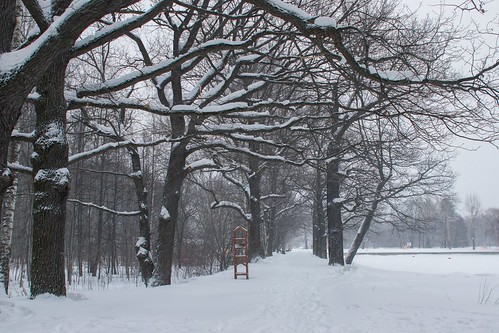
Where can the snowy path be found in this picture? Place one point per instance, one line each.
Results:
(296, 292)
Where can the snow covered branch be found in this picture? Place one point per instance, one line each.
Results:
(233, 206)
(117, 29)
(165, 66)
(24, 137)
(104, 208)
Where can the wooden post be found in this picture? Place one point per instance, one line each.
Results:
(240, 247)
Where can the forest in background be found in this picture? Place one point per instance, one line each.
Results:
(135, 136)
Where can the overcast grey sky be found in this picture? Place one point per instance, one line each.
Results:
(478, 172)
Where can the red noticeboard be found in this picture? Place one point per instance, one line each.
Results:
(240, 246)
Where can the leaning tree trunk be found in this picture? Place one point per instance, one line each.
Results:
(334, 222)
(361, 233)
(51, 184)
(366, 224)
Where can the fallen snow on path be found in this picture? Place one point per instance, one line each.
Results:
(295, 292)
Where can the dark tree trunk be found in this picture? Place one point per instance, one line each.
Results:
(334, 222)
(272, 216)
(271, 231)
(255, 247)
(361, 233)
(319, 228)
(7, 24)
(100, 225)
(143, 245)
(180, 240)
(9, 111)
(51, 184)
(169, 215)
(175, 175)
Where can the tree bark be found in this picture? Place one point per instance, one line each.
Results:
(7, 24)
(361, 233)
(175, 175)
(8, 32)
(319, 229)
(334, 222)
(255, 247)
(143, 245)
(51, 184)
(100, 225)
(9, 206)
(169, 215)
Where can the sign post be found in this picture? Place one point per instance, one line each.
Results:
(240, 244)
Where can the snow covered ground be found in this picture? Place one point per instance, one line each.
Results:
(295, 292)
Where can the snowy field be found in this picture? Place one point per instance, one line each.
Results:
(295, 292)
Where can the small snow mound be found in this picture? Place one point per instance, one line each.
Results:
(12, 312)
(76, 297)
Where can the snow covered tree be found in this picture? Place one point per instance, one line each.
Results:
(395, 166)
(22, 68)
(43, 63)
(393, 65)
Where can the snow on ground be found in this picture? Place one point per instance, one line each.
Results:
(295, 292)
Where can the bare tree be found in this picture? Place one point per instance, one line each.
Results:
(474, 209)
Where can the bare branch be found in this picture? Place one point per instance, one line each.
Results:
(104, 208)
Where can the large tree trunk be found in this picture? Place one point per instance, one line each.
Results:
(51, 184)
(175, 175)
(334, 222)
(169, 215)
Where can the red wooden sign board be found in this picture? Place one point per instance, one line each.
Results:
(240, 246)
